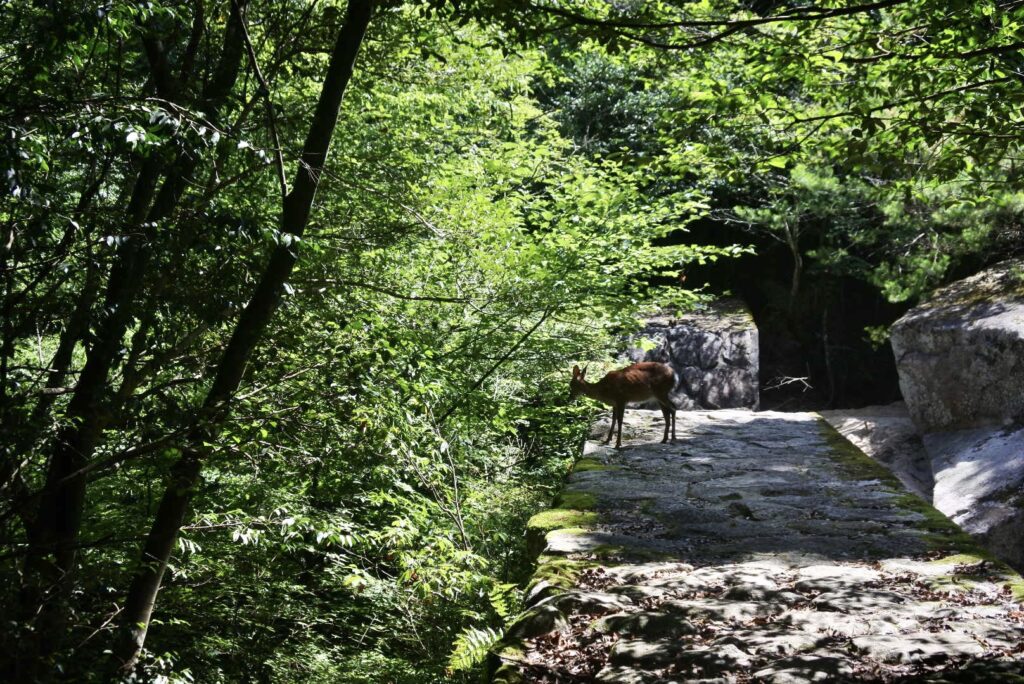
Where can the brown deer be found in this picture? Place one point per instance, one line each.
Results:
(638, 382)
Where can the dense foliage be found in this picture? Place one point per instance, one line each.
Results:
(349, 368)
(364, 491)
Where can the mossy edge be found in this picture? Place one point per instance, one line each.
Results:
(587, 464)
(562, 518)
(580, 501)
(854, 462)
(941, 533)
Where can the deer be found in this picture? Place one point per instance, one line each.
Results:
(639, 382)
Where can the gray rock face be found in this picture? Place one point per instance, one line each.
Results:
(960, 355)
(979, 483)
(714, 353)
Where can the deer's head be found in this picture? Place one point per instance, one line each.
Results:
(578, 382)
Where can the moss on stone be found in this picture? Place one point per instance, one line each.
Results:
(503, 662)
(935, 521)
(511, 649)
(508, 674)
(950, 584)
(559, 571)
(940, 533)
(854, 462)
(586, 464)
(997, 570)
(1016, 587)
(580, 501)
(571, 531)
(617, 551)
(1001, 283)
(960, 559)
(562, 518)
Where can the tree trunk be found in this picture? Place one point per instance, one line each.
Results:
(24, 438)
(62, 498)
(186, 473)
(793, 242)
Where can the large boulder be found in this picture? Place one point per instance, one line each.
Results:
(960, 357)
(979, 483)
(714, 352)
(960, 354)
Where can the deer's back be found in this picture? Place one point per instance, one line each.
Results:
(638, 382)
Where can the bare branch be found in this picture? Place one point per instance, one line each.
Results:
(265, 91)
(807, 13)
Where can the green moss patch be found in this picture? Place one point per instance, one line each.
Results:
(1016, 585)
(941, 533)
(580, 501)
(503, 663)
(512, 650)
(960, 559)
(585, 464)
(562, 518)
(854, 462)
(1003, 283)
(559, 571)
(614, 552)
(995, 570)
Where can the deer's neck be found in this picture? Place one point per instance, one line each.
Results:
(595, 391)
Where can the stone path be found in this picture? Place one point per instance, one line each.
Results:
(757, 547)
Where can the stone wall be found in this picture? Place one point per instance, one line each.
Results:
(714, 352)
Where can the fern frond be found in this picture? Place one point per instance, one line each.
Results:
(471, 647)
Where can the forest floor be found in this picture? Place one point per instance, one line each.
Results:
(756, 547)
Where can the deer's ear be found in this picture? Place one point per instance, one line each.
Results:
(583, 372)
(576, 371)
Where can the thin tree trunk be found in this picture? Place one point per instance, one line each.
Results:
(62, 499)
(59, 516)
(186, 473)
(57, 372)
(22, 439)
(793, 242)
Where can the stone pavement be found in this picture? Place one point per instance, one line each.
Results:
(758, 547)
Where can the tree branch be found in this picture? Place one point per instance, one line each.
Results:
(265, 92)
(808, 13)
(504, 357)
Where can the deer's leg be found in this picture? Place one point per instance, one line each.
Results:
(621, 411)
(669, 409)
(611, 429)
(672, 408)
(667, 418)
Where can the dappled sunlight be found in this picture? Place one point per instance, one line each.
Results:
(762, 545)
